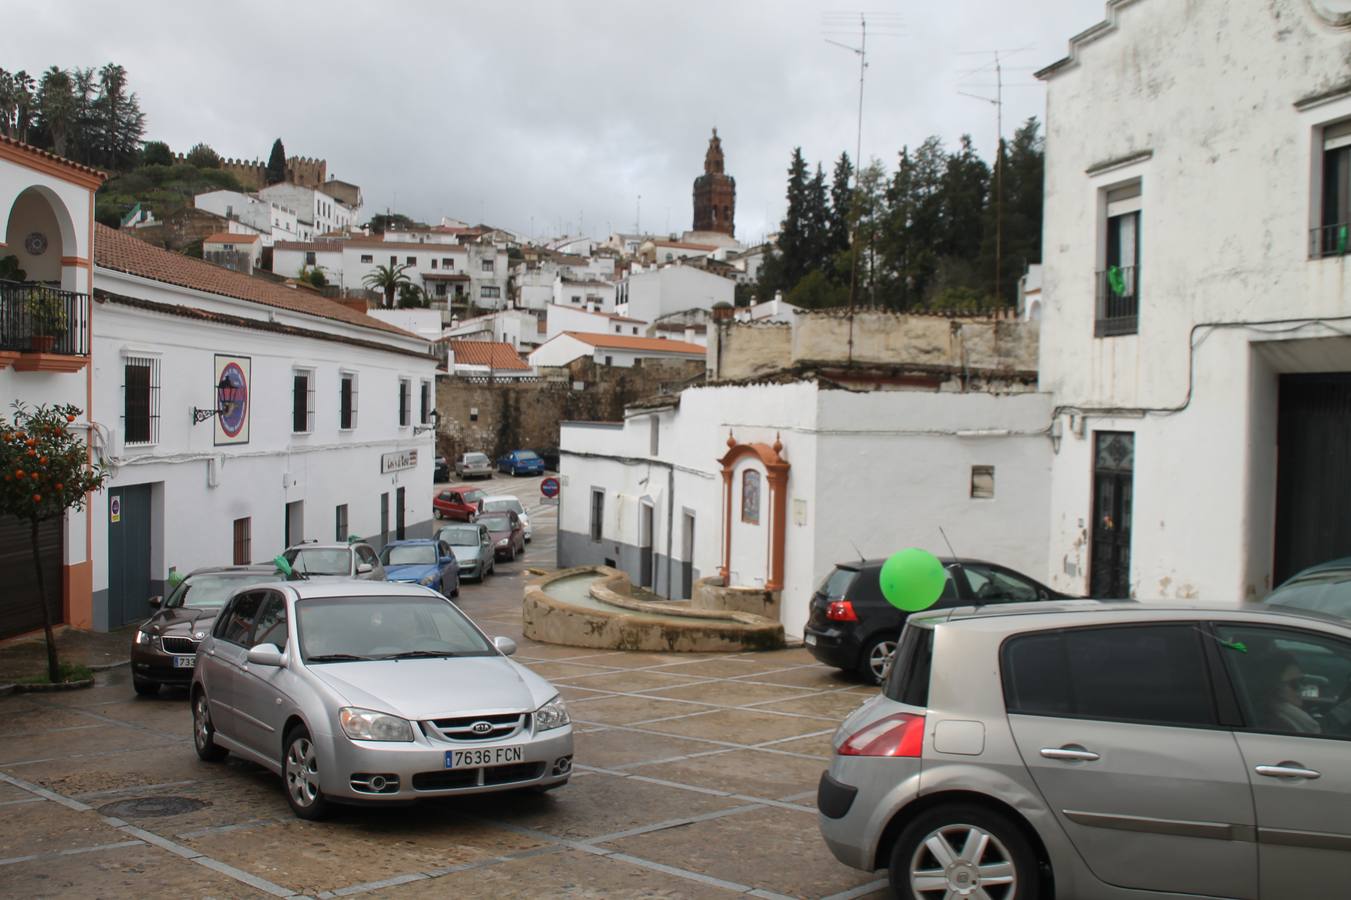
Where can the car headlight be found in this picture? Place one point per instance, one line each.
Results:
(369, 725)
(553, 714)
(428, 581)
(503, 542)
(144, 637)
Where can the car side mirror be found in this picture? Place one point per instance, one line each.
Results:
(266, 655)
(505, 645)
(156, 601)
(363, 568)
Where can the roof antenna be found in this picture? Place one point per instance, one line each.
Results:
(956, 563)
(861, 558)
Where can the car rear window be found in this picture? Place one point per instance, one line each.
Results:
(836, 583)
(908, 678)
(1139, 673)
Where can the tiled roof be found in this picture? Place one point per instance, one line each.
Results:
(430, 246)
(686, 246)
(12, 148)
(325, 247)
(638, 344)
(124, 253)
(494, 354)
(227, 238)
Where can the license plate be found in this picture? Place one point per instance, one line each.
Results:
(809, 640)
(483, 756)
(185, 662)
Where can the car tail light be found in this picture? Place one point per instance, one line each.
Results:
(841, 611)
(899, 734)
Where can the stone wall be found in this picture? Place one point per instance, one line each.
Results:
(710, 593)
(182, 229)
(510, 414)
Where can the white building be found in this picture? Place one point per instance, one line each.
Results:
(317, 213)
(291, 258)
(776, 310)
(517, 327)
(271, 220)
(584, 293)
(606, 349)
(239, 415)
(485, 359)
(570, 318)
(47, 205)
(665, 251)
(241, 252)
(770, 485)
(655, 293)
(1195, 283)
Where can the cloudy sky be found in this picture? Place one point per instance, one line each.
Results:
(555, 117)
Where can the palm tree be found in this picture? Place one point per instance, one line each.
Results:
(56, 107)
(388, 279)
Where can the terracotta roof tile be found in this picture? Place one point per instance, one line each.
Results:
(494, 354)
(20, 149)
(684, 245)
(640, 344)
(124, 253)
(227, 238)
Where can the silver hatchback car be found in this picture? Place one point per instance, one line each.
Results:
(1090, 751)
(373, 691)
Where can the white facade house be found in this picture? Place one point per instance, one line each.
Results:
(290, 258)
(652, 294)
(1195, 283)
(607, 349)
(517, 327)
(535, 284)
(571, 318)
(237, 416)
(242, 252)
(47, 207)
(317, 213)
(591, 293)
(771, 485)
(271, 220)
(661, 252)
(425, 323)
(776, 310)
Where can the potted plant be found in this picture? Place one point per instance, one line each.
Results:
(47, 315)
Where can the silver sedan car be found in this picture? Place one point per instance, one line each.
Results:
(1102, 751)
(373, 692)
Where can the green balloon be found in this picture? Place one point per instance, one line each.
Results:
(283, 566)
(913, 579)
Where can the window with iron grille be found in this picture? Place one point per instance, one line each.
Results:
(243, 542)
(309, 257)
(488, 265)
(404, 390)
(341, 530)
(425, 412)
(302, 401)
(597, 512)
(347, 401)
(368, 257)
(140, 399)
(489, 290)
(1333, 236)
(1118, 282)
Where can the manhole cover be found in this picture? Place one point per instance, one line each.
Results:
(152, 807)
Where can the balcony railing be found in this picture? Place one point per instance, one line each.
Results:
(1330, 240)
(33, 315)
(1118, 301)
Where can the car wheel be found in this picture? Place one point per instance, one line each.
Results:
(963, 850)
(876, 655)
(300, 768)
(143, 687)
(203, 732)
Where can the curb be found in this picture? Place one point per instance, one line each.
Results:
(103, 667)
(7, 689)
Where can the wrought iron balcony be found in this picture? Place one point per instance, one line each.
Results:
(38, 318)
(1330, 240)
(1118, 301)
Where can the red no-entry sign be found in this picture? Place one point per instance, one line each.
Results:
(549, 487)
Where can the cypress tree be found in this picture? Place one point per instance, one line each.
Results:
(276, 164)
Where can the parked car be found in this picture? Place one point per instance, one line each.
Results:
(520, 462)
(1325, 588)
(472, 545)
(440, 470)
(474, 465)
(371, 693)
(499, 502)
(851, 625)
(550, 457)
(164, 648)
(507, 533)
(458, 502)
(423, 561)
(1101, 751)
(354, 560)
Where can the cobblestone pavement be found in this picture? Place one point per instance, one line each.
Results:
(695, 777)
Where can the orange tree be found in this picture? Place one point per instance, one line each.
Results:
(44, 471)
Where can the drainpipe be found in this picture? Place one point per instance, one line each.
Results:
(670, 524)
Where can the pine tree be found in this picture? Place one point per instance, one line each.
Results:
(819, 254)
(276, 164)
(841, 196)
(795, 231)
(119, 118)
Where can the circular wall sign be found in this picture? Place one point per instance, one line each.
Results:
(35, 244)
(234, 399)
(1334, 12)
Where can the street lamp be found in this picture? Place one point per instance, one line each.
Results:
(201, 415)
(434, 416)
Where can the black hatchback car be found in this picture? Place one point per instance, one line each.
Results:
(853, 627)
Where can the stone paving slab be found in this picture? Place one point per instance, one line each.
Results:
(818, 745)
(742, 726)
(835, 705)
(609, 749)
(627, 682)
(722, 667)
(133, 873)
(627, 709)
(38, 828)
(729, 693)
(753, 772)
(57, 744)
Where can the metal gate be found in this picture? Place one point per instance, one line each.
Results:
(128, 554)
(1313, 471)
(1109, 568)
(19, 607)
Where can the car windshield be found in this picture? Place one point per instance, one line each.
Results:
(211, 591)
(348, 629)
(527, 456)
(408, 555)
(495, 522)
(836, 583)
(475, 459)
(473, 496)
(1328, 592)
(459, 536)
(503, 504)
(320, 561)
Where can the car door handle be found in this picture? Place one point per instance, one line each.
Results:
(1079, 754)
(1287, 770)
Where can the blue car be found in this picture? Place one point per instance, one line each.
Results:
(423, 561)
(521, 462)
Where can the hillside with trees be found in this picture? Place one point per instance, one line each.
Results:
(928, 234)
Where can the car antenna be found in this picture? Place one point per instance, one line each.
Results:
(861, 558)
(956, 562)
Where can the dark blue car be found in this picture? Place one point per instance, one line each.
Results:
(521, 462)
(422, 561)
(1324, 588)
